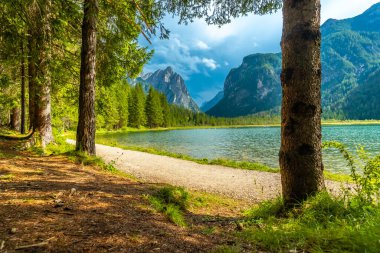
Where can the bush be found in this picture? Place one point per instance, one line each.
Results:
(365, 173)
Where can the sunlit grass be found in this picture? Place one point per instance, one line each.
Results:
(320, 224)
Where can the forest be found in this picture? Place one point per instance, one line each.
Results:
(65, 65)
(117, 104)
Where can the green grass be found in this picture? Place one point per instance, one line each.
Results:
(320, 224)
(4, 155)
(8, 132)
(172, 202)
(7, 177)
(61, 147)
(337, 177)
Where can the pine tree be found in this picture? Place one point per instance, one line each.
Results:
(137, 117)
(165, 111)
(153, 109)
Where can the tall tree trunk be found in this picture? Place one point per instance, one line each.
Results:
(300, 154)
(32, 65)
(43, 84)
(15, 119)
(86, 122)
(22, 89)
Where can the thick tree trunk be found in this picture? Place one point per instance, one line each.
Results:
(15, 119)
(86, 122)
(300, 154)
(22, 129)
(43, 84)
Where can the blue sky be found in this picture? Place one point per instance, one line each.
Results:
(204, 54)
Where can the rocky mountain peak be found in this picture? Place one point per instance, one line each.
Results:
(172, 85)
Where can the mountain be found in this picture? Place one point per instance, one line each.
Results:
(209, 104)
(172, 85)
(366, 99)
(350, 56)
(251, 88)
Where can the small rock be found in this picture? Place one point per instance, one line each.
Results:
(13, 230)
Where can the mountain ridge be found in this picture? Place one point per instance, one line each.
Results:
(350, 53)
(171, 84)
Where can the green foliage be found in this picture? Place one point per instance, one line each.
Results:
(219, 12)
(171, 201)
(320, 224)
(112, 106)
(347, 223)
(137, 115)
(365, 175)
(153, 109)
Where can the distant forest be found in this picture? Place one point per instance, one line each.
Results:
(121, 105)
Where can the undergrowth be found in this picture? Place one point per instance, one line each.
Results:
(323, 223)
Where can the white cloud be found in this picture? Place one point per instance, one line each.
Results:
(201, 45)
(210, 63)
(176, 53)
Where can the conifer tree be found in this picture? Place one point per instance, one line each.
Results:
(153, 109)
(137, 117)
(165, 111)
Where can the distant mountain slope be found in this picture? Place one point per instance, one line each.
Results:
(251, 88)
(209, 104)
(350, 55)
(364, 101)
(172, 85)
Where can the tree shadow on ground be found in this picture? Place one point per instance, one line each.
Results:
(61, 206)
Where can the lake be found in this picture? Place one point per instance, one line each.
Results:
(255, 144)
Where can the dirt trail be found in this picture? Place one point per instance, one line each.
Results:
(242, 184)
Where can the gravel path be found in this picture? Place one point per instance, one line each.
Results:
(235, 183)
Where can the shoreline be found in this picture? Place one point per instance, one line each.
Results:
(238, 165)
(254, 185)
(324, 123)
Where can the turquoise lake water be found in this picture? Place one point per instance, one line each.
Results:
(256, 144)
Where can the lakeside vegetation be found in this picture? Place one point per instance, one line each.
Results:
(245, 165)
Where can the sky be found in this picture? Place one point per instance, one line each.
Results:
(203, 55)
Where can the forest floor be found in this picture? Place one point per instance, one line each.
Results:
(251, 185)
(52, 204)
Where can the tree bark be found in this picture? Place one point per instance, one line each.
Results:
(43, 84)
(301, 153)
(22, 129)
(86, 123)
(32, 64)
(15, 119)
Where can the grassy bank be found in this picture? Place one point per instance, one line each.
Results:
(330, 122)
(321, 224)
(245, 165)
